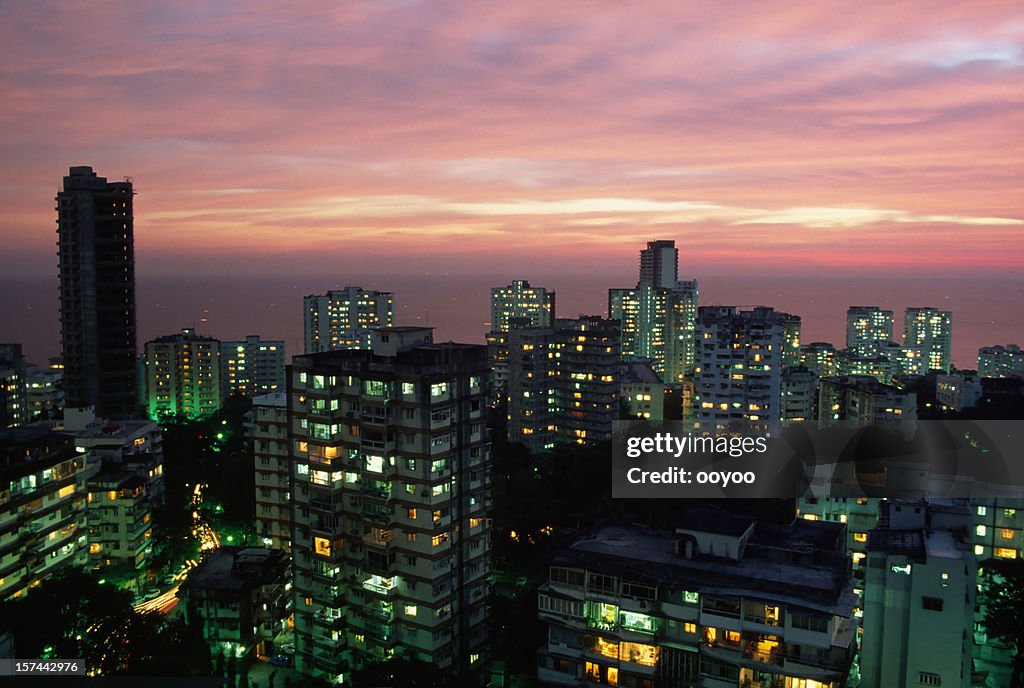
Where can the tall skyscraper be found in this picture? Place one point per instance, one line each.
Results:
(931, 330)
(97, 293)
(390, 491)
(658, 315)
(659, 264)
(739, 365)
(866, 328)
(345, 318)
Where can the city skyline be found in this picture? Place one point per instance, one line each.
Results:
(397, 135)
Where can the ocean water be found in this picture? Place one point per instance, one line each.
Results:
(986, 311)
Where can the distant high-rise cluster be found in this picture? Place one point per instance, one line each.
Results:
(190, 374)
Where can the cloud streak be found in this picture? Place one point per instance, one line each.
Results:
(449, 129)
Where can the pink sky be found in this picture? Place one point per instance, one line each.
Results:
(417, 136)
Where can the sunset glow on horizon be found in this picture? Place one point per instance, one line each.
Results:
(426, 136)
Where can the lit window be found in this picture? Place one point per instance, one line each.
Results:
(1007, 533)
(1006, 553)
(322, 546)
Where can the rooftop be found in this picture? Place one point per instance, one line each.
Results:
(237, 568)
(786, 563)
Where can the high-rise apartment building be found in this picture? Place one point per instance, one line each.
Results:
(97, 293)
(721, 601)
(183, 375)
(657, 316)
(267, 429)
(862, 399)
(520, 300)
(43, 524)
(919, 597)
(799, 395)
(821, 357)
(866, 327)
(252, 367)
(345, 318)
(658, 326)
(659, 264)
(931, 330)
(516, 305)
(390, 491)
(739, 365)
(44, 389)
(564, 382)
(1000, 361)
(791, 328)
(14, 407)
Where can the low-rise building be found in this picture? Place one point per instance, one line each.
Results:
(642, 392)
(239, 596)
(958, 390)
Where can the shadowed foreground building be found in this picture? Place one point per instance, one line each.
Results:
(919, 597)
(390, 490)
(239, 596)
(721, 602)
